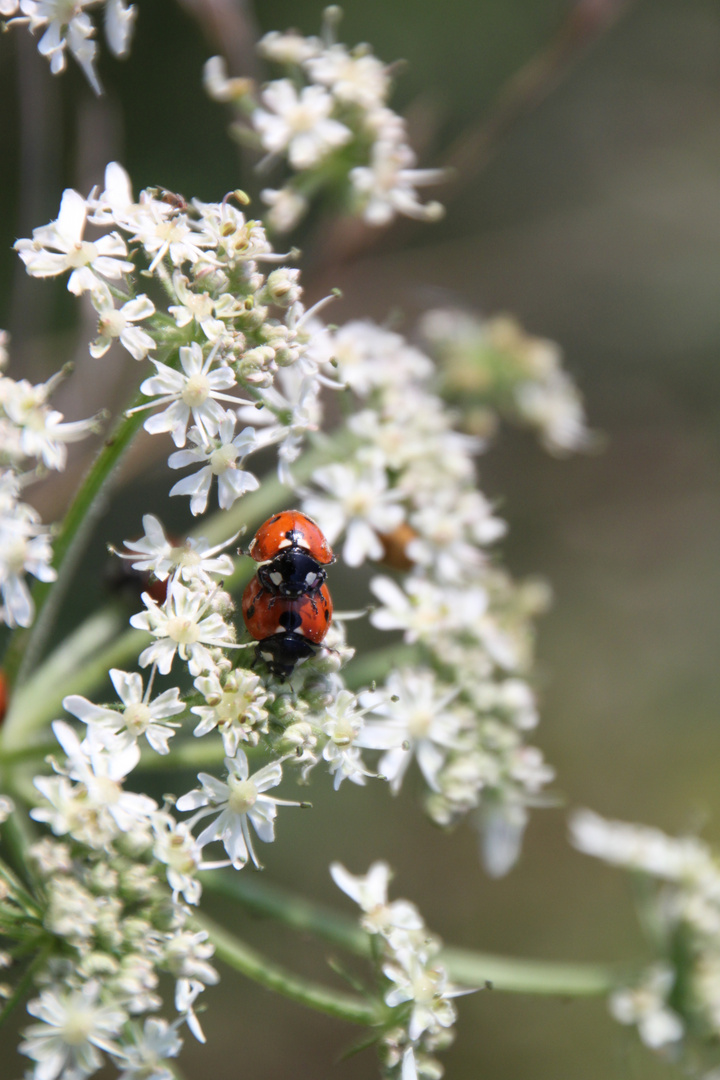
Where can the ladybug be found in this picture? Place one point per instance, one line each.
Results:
(294, 551)
(288, 628)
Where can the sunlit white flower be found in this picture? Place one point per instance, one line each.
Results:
(646, 1005)
(75, 1026)
(239, 803)
(419, 722)
(234, 705)
(43, 434)
(343, 727)
(191, 560)
(428, 990)
(142, 1055)
(101, 773)
(59, 246)
(387, 186)
(235, 239)
(294, 399)
(287, 207)
(398, 921)
(118, 324)
(195, 390)
(361, 502)
(425, 610)
(176, 847)
(66, 25)
(181, 625)
(222, 457)
(289, 47)
(24, 549)
(200, 307)
(164, 232)
(555, 407)
(368, 356)
(357, 77)
(140, 715)
(299, 123)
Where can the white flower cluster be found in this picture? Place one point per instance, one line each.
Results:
(230, 327)
(33, 438)
(405, 494)
(67, 25)
(235, 344)
(115, 929)
(414, 984)
(493, 366)
(676, 1001)
(328, 119)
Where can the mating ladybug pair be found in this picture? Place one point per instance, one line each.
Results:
(287, 606)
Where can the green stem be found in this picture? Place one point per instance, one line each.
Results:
(36, 702)
(265, 899)
(362, 670)
(25, 983)
(86, 507)
(252, 964)
(465, 967)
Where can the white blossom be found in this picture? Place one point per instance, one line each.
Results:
(234, 705)
(59, 246)
(195, 390)
(222, 457)
(646, 1006)
(181, 625)
(298, 123)
(118, 324)
(343, 727)
(361, 503)
(74, 1027)
(398, 922)
(239, 803)
(359, 77)
(176, 847)
(140, 715)
(387, 185)
(24, 549)
(288, 47)
(142, 1056)
(101, 774)
(191, 560)
(418, 723)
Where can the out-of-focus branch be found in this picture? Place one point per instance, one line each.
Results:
(586, 22)
(345, 239)
(231, 29)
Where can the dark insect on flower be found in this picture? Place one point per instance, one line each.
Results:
(293, 551)
(288, 629)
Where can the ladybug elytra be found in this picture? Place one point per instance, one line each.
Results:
(287, 628)
(293, 552)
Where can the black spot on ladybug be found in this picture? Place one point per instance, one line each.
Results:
(290, 621)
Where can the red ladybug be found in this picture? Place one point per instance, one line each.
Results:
(288, 629)
(294, 551)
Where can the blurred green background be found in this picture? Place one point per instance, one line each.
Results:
(595, 219)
